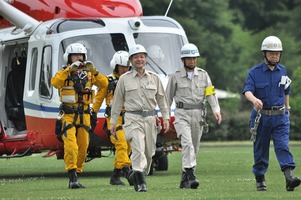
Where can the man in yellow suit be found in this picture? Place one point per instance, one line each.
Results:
(74, 82)
(119, 64)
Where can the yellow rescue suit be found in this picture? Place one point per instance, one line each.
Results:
(76, 95)
(122, 147)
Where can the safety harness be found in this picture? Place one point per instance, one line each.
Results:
(111, 89)
(81, 86)
(112, 84)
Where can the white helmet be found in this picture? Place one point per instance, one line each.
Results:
(189, 50)
(74, 49)
(120, 58)
(271, 43)
(138, 48)
(155, 52)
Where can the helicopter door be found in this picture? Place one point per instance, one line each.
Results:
(14, 91)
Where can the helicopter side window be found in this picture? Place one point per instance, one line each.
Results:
(163, 51)
(100, 48)
(45, 88)
(33, 69)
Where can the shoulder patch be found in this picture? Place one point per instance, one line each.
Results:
(128, 72)
(200, 69)
(151, 72)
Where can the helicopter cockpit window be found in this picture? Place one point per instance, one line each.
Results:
(163, 51)
(160, 23)
(100, 49)
(45, 88)
(71, 24)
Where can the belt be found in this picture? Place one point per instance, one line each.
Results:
(143, 113)
(189, 106)
(275, 108)
(272, 112)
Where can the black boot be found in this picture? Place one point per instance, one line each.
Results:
(140, 185)
(81, 185)
(193, 182)
(132, 178)
(184, 181)
(127, 172)
(73, 184)
(115, 178)
(260, 183)
(291, 181)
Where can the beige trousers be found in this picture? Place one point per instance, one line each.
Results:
(188, 127)
(141, 132)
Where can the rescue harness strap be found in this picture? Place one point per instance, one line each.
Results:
(77, 111)
(108, 112)
(107, 131)
(112, 84)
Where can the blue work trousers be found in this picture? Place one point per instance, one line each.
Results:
(276, 127)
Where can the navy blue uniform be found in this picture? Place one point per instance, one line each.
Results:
(265, 85)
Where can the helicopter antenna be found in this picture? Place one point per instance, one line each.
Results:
(168, 8)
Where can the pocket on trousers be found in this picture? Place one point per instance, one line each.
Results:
(179, 127)
(128, 129)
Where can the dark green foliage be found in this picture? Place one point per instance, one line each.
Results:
(235, 124)
(229, 34)
(259, 15)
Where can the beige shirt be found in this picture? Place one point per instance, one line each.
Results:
(190, 91)
(137, 93)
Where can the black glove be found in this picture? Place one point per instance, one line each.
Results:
(93, 120)
(58, 129)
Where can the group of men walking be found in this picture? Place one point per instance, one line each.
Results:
(132, 94)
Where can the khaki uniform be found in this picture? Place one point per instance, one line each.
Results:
(76, 138)
(188, 121)
(137, 93)
(122, 147)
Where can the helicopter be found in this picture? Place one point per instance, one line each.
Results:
(34, 37)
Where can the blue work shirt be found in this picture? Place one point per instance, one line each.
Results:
(265, 85)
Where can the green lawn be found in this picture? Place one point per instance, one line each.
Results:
(224, 171)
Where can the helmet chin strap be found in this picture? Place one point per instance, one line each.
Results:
(270, 62)
(143, 68)
(190, 68)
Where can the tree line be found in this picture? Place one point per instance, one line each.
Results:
(229, 34)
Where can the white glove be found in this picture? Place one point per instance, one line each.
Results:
(90, 67)
(74, 66)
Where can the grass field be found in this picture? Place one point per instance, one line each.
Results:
(224, 172)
